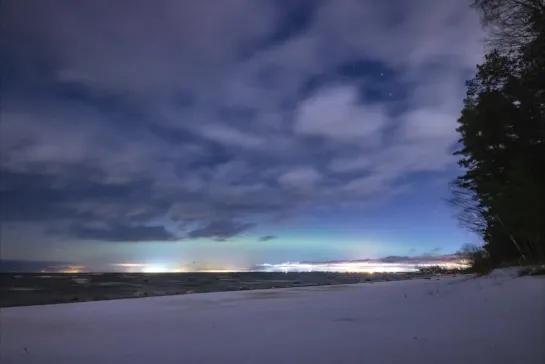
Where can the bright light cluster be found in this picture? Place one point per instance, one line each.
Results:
(354, 267)
(155, 269)
(147, 268)
(74, 269)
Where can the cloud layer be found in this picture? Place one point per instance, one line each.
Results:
(166, 120)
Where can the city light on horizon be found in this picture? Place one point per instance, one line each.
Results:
(357, 267)
(368, 266)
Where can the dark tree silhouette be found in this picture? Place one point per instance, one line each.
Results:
(511, 23)
(501, 194)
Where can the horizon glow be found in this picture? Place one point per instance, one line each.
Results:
(336, 267)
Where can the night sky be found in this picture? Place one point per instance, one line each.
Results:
(231, 132)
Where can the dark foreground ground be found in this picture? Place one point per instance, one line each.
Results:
(40, 288)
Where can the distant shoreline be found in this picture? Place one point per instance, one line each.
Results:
(26, 289)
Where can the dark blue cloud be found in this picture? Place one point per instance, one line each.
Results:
(267, 238)
(220, 230)
(123, 233)
(295, 17)
(36, 197)
(292, 18)
(28, 266)
(140, 116)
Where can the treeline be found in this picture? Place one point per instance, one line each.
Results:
(501, 195)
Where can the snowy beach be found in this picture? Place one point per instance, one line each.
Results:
(493, 319)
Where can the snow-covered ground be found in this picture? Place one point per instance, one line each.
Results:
(496, 319)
